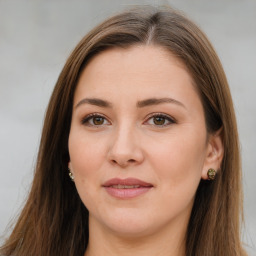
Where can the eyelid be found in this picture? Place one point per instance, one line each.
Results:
(159, 114)
(85, 120)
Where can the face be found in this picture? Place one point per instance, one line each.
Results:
(138, 143)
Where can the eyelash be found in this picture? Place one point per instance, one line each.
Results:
(161, 115)
(87, 119)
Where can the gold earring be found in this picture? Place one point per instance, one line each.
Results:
(211, 174)
(70, 175)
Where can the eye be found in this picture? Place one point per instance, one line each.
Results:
(160, 120)
(95, 120)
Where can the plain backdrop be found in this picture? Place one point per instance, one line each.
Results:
(36, 38)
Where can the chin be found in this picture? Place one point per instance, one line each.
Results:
(128, 230)
(129, 224)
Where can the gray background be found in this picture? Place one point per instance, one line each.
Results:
(36, 37)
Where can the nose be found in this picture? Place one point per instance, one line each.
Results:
(125, 149)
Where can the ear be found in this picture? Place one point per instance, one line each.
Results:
(214, 153)
(71, 174)
(70, 166)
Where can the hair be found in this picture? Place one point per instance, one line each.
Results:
(54, 220)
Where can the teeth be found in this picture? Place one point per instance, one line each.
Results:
(125, 186)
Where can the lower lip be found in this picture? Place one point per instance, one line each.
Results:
(127, 193)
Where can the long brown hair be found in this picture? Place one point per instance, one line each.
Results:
(54, 221)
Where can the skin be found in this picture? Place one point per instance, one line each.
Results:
(128, 142)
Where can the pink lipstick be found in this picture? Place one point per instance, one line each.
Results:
(126, 188)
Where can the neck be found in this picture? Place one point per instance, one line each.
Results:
(167, 241)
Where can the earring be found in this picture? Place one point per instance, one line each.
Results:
(70, 175)
(211, 174)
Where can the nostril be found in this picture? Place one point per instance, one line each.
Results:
(123, 163)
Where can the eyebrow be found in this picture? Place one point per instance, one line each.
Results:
(140, 104)
(155, 101)
(95, 102)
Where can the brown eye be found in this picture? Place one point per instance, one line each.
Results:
(97, 120)
(159, 120)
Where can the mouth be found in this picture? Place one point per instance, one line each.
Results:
(126, 188)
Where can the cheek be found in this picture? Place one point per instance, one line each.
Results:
(178, 162)
(86, 158)
(86, 153)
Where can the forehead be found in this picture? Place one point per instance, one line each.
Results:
(140, 71)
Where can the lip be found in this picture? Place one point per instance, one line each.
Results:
(140, 187)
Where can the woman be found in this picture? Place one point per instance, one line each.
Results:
(139, 151)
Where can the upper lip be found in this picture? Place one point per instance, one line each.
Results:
(127, 181)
